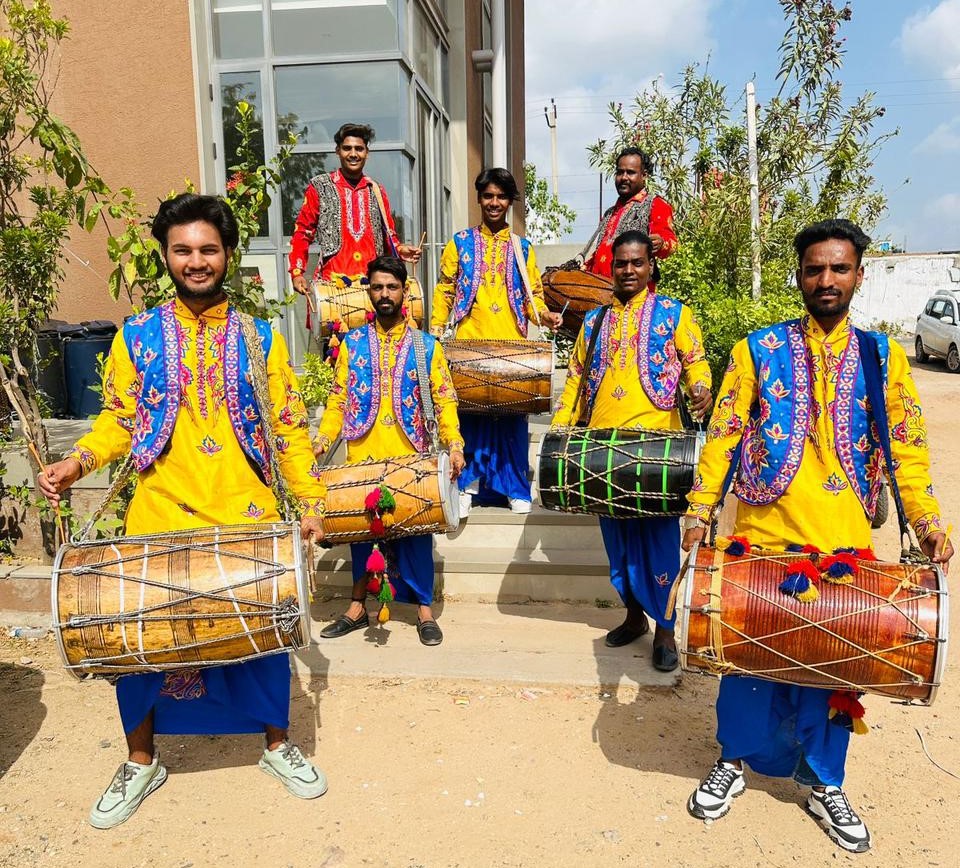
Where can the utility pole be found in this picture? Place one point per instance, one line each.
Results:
(754, 187)
(552, 124)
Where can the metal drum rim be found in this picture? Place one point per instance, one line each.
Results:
(943, 629)
(447, 488)
(55, 608)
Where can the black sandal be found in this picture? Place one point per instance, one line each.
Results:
(429, 632)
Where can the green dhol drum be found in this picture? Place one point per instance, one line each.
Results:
(617, 472)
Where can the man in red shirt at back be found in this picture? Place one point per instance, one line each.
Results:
(635, 208)
(349, 215)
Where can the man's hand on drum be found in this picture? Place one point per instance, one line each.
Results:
(58, 478)
(551, 320)
(692, 536)
(457, 463)
(409, 253)
(939, 549)
(311, 528)
(320, 446)
(700, 401)
(300, 285)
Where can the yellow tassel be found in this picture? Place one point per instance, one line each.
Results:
(723, 543)
(831, 714)
(810, 595)
(384, 614)
(860, 726)
(333, 342)
(843, 580)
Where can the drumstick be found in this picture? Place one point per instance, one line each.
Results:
(422, 239)
(61, 524)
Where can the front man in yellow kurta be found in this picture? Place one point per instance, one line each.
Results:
(376, 404)
(177, 397)
(490, 289)
(793, 415)
(646, 344)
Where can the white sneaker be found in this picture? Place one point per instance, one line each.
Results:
(832, 811)
(466, 503)
(131, 784)
(294, 771)
(518, 506)
(712, 799)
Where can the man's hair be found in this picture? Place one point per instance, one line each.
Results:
(359, 131)
(502, 178)
(389, 264)
(645, 160)
(635, 236)
(193, 208)
(843, 230)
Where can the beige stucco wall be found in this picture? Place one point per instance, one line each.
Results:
(126, 88)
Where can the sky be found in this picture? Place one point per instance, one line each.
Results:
(906, 52)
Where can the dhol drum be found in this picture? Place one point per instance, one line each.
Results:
(617, 472)
(500, 378)
(579, 291)
(427, 501)
(884, 633)
(180, 600)
(349, 303)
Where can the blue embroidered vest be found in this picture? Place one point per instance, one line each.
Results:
(657, 359)
(362, 402)
(153, 341)
(471, 245)
(775, 436)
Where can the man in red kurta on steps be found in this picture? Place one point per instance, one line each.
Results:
(635, 208)
(340, 209)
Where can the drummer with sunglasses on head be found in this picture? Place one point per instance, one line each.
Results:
(176, 396)
(793, 416)
(647, 344)
(340, 210)
(378, 422)
(483, 295)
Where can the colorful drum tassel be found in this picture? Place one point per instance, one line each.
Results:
(839, 569)
(378, 584)
(802, 582)
(847, 711)
(378, 504)
(736, 546)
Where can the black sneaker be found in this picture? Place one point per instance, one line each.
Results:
(832, 811)
(712, 799)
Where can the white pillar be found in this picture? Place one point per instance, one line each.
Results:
(498, 82)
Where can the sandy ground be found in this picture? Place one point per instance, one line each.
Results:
(468, 773)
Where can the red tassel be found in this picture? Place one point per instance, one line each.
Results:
(371, 500)
(370, 316)
(810, 550)
(373, 586)
(376, 563)
(376, 527)
(864, 554)
(334, 352)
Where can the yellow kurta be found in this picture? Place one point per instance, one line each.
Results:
(820, 507)
(204, 477)
(621, 401)
(386, 437)
(490, 317)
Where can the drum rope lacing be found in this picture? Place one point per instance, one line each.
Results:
(623, 497)
(714, 659)
(470, 368)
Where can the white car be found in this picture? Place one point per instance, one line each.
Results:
(938, 329)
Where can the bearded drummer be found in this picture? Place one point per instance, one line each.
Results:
(635, 208)
(793, 406)
(483, 295)
(177, 398)
(375, 404)
(348, 213)
(648, 343)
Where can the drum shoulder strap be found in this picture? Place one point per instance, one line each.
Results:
(588, 361)
(426, 391)
(382, 207)
(524, 273)
(261, 390)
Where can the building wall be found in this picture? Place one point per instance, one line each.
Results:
(126, 87)
(895, 288)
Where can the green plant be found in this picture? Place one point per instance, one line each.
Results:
(547, 218)
(815, 151)
(316, 380)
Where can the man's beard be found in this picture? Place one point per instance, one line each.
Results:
(381, 309)
(817, 310)
(192, 294)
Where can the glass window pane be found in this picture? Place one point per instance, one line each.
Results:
(297, 172)
(237, 28)
(234, 88)
(425, 50)
(308, 27)
(315, 101)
